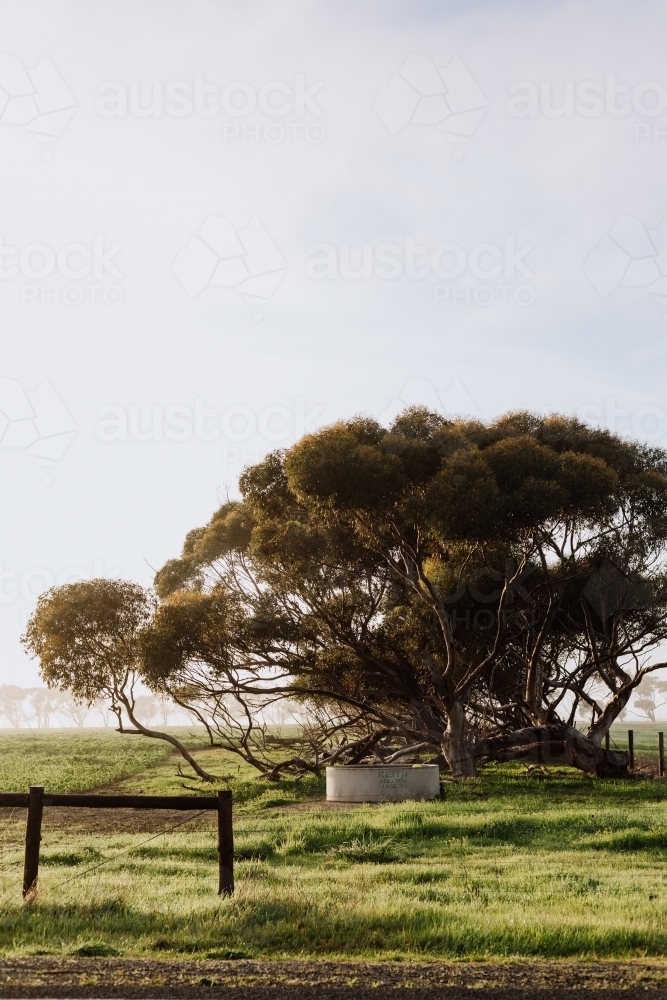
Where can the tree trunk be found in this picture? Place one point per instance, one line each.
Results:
(555, 745)
(534, 696)
(599, 729)
(456, 744)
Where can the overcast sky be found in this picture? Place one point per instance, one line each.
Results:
(225, 224)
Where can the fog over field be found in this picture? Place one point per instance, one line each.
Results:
(225, 225)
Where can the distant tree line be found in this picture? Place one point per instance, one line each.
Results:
(46, 708)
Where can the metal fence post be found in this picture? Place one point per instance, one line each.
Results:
(33, 836)
(631, 748)
(606, 741)
(225, 845)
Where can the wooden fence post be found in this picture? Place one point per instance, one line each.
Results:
(225, 845)
(631, 748)
(661, 754)
(606, 741)
(35, 801)
(33, 836)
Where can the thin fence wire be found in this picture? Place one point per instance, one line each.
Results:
(8, 864)
(128, 850)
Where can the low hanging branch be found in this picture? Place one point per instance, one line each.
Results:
(141, 730)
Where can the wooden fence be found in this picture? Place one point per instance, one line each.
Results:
(36, 799)
(631, 750)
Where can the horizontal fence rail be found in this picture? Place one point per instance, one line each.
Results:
(117, 801)
(36, 799)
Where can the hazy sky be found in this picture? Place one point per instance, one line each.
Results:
(224, 224)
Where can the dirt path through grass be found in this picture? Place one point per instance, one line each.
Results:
(66, 977)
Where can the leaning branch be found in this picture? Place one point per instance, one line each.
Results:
(155, 735)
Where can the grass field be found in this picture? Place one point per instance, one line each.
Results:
(505, 865)
(71, 760)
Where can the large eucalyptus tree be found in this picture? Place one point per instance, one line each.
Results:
(441, 584)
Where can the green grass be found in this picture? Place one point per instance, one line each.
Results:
(73, 760)
(645, 739)
(505, 865)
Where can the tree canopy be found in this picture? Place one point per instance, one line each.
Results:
(448, 583)
(86, 637)
(448, 586)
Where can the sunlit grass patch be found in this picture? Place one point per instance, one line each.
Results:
(72, 760)
(382, 850)
(85, 855)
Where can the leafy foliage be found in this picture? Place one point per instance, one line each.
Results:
(438, 583)
(440, 586)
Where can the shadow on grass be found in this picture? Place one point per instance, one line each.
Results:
(302, 927)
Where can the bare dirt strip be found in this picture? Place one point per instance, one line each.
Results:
(42, 976)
